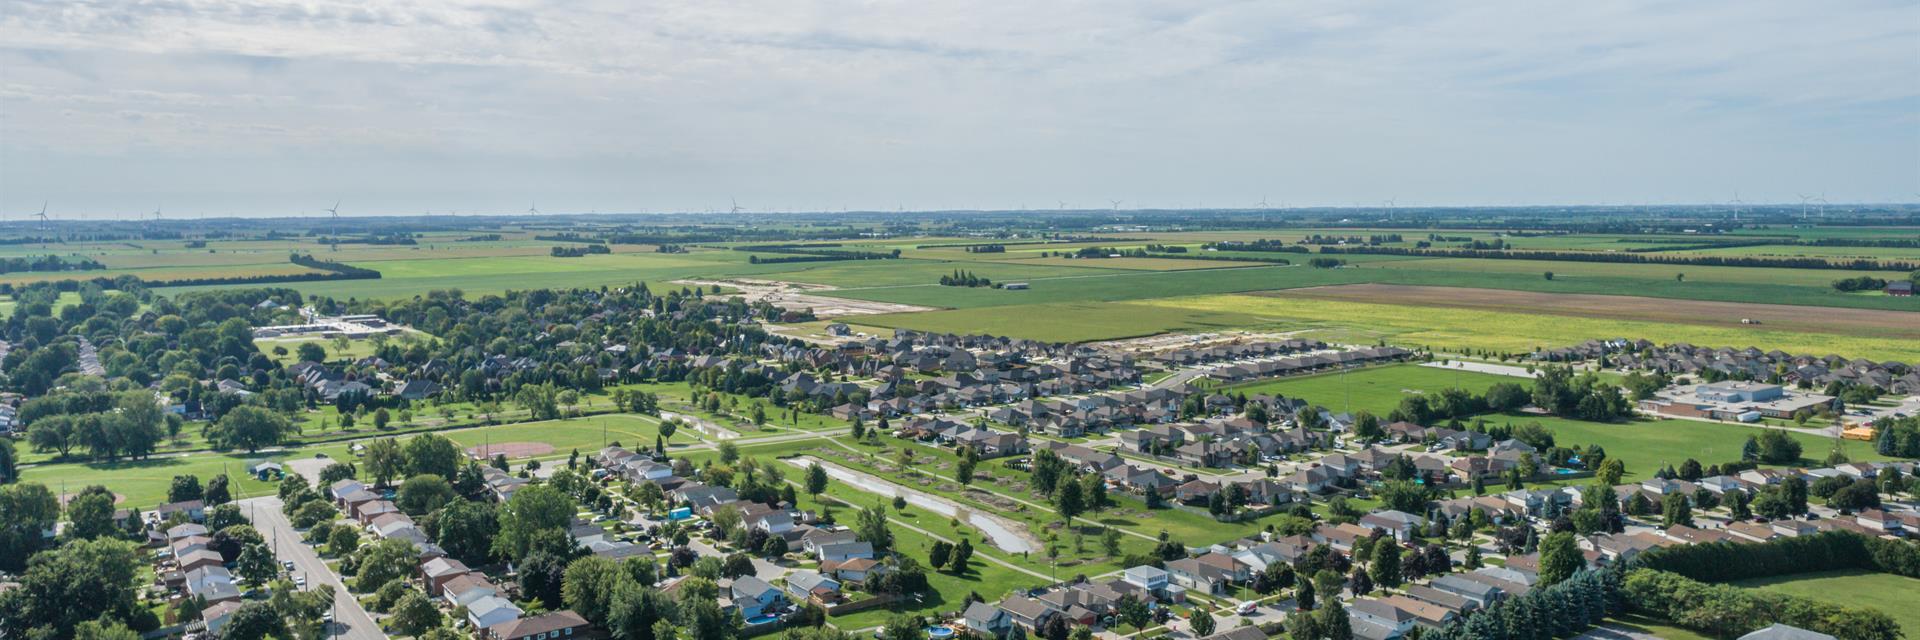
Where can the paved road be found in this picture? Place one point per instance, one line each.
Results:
(351, 622)
(1484, 367)
(1008, 535)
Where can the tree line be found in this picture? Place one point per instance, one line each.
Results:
(48, 263)
(579, 251)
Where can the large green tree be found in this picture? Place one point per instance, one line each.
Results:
(424, 493)
(465, 529)
(532, 509)
(26, 511)
(79, 581)
(433, 454)
(1560, 558)
(250, 427)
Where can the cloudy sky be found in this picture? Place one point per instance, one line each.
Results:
(254, 107)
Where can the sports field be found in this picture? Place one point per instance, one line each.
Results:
(1894, 595)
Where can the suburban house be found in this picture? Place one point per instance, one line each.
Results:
(986, 619)
(488, 611)
(546, 626)
(753, 596)
(804, 585)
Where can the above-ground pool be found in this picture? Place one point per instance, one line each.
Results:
(939, 632)
(679, 514)
(763, 619)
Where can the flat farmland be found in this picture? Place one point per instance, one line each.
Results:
(912, 272)
(1651, 272)
(1817, 232)
(1114, 285)
(161, 274)
(1137, 264)
(1854, 322)
(1836, 253)
(478, 276)
(1808, 287)
(1512, 332)
(1067, 321)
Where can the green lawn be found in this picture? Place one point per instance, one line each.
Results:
(1375, 389)
(1894, 595)
(144, 483)
(1647, 445)
(1657, 628)
(585, 433)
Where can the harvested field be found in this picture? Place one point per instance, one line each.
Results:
(1779, 317)
(511, 449)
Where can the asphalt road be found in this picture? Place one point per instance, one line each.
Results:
(351, 622)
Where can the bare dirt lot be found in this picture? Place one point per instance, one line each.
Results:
(806, 296)
(1886, 324)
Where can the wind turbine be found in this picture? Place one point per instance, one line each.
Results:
(1063, 204)
(1823, 204)
(334, 213)
(1803, 205)
(42, 215)
(156, 213)
(1116, 204)
(1736, 202)
(1390, 202)
(736, 205)
(532, 209)
(1263, 202)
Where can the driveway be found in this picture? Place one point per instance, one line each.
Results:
(350, 620)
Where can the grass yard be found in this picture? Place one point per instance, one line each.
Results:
(144, 483)
(990, 580)
(1891, 594)
(630, 430)
(1657, 628)
(1375, 389)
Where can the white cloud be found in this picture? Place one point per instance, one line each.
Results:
(255, 106)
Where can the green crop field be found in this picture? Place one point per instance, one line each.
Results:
(1068, 321)
(1515, 332)
(1891, 594)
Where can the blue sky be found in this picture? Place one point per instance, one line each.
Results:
(250, 107)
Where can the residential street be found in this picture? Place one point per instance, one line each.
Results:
(351, 622)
